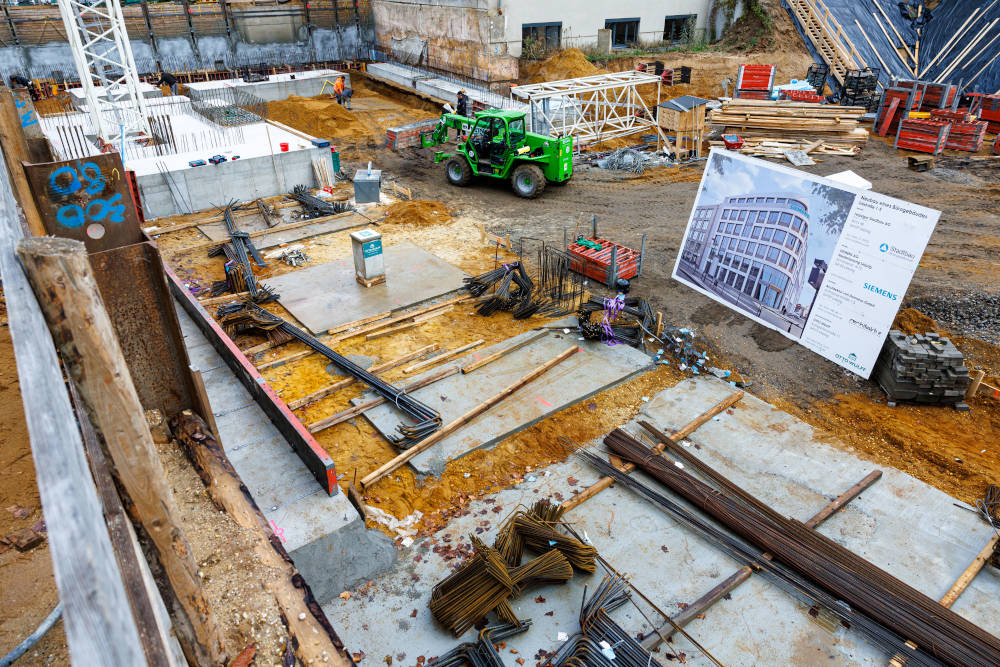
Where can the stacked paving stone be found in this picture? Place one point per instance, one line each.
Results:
(922, 368)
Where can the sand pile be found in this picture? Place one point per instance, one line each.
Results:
(418, 212)
(323, 118)
(912, 321)
(568, 64)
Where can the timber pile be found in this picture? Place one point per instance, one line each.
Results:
(774, 147)
(765, 120)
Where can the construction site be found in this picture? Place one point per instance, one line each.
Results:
(459, 332)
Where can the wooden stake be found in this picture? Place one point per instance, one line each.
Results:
(681, 433)
(468, 368)
(446, 430)
(60, 274)
(957, 35)
(356, 410)
(900, 37)
(892, 44)
(863, 34)
(334, 387)
(961, 56)
(313, 639)
(698, 607)
(970, 572)
(441, 357)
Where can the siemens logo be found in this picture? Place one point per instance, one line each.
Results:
(882, 292)
(864, 325)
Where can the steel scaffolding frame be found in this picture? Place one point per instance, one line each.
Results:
(99, 43)
(592, 108)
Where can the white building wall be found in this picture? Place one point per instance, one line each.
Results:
(581, 19)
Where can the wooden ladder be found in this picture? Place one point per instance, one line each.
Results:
(827, 36)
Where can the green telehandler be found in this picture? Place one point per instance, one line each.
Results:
(494, 143)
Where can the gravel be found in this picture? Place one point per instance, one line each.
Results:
(970, 314)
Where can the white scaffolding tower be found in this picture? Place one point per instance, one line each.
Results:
(592, 108)
(101, 50)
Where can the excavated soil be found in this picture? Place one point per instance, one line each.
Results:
(418, 212)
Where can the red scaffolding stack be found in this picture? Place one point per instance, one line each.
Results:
(755, 82)
(925, 136)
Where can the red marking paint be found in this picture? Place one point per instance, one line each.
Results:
(476, 355)
(280, 532)
(543, 401)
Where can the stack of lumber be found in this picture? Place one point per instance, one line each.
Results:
(765, 120)
(777, 147)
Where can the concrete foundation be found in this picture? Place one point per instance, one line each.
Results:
(442, 88)
(902, 525)
(325, 296)
(323, 534)
(278, 87)
(593, 369)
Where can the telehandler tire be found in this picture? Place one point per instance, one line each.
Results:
(457, 171)
(527, 180)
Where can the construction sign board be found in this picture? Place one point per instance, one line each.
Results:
(824, 263)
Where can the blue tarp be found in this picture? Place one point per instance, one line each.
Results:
(938, 27)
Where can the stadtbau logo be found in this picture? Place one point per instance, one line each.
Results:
(881, 292)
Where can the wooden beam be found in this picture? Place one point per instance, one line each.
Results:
(154, 230)
(681, 433)
(98, 629)
(698, 607)
(468, 368)
(900, 37)
(311, 634)
(225, 298)
(60, 273)
(399, 318)
(271, 230)
(347, 382)
(892, 44)
(970, 572)
(443, 356)
(15, 152)
(417, 321)
(356, 410)
(449, 428)
(863, 34)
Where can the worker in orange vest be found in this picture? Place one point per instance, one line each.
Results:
(343, 94)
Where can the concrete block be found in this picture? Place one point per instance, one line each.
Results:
(273, 472)
(225, 392)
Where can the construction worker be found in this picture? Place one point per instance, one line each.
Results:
(18, 81)
(168, 79)
(463, 104)
(343, 94)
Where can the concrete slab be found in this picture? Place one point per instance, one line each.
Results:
(910, 529)
(324, 535)
(277, 87)
(323, 296)
(595, 368)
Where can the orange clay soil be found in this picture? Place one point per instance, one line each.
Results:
(953, 451)
(417, 212)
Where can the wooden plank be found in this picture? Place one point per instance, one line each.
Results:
(449, 428)
(347, 382)
(971, 571)
(681, 433)
(400, 318)
(15, 151)
(310, 633)
(87, 575)
(358, 323)
(154, 230)
(60, 270)
(912, 69)
(417, 321)
(441, 357)
(225, 298)
(356, 410)
(271, 230)
(698, 607)
(468, 368)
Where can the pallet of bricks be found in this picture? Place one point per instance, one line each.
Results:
(906, 96)
(768, 128)
(966, 133)
(754, 82)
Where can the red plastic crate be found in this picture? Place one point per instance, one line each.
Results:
(924, 136)
(801, 96)
(754, 82)
(966, 136)
(595, 263)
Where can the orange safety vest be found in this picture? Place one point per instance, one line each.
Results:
(338, 86)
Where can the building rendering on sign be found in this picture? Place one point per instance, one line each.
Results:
(752, 251)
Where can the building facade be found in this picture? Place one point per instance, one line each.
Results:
(752, 247)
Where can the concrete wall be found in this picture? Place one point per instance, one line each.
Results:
(581, 19)
(214, 185)
(458, 36)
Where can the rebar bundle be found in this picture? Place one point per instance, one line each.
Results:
(239, 273)
(534, 529)
(513, 291)
(241, 316)
(623, 320)
(558, 290)
(482, 652)
(889, 612)
(597, 624)
(626, 159)
(315, 206)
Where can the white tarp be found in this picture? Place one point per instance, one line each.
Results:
(822, 262)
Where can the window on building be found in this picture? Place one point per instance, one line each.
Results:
(779, 236)
(751, 248)
(781, 200)
(785, 219)
(738, 230)
(623, 31)
(769, 200)
(730, 278)
(784, 259)
(798, 245)
(797, 223)
(772, 217)
(790, 242)
(678, 28)
(805, 229)
(760, 200)
(761, 249)
(730, 227)
(766, 235)
(772, 254)
(748, 288)
(541, 37)
(725, 214)
(743, 216)
(756, 232)
(742, 247)
(754, 269)
(716, 240)
(738, 285)
(744, 265)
